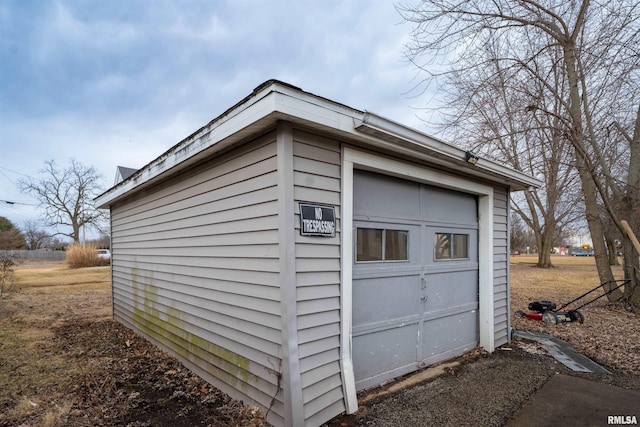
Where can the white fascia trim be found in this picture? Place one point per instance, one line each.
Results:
(192, 149)
(443, 153)
(373, 130)
(271, 103)
(277, 101)
(356, 159)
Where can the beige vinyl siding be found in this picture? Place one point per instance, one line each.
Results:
(196, 270)
(500, 265)
(317, 169)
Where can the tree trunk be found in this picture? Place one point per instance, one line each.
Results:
(76, 232)
(630, 213)
(612, 251)
(631, 263)
(631, 272)
(544, 240)
(595, 228)
(589, 188)
(544, 253)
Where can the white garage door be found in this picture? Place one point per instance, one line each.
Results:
(415, 276)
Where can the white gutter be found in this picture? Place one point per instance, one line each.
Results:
(442, 152)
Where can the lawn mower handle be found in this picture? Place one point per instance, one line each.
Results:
(624, 282)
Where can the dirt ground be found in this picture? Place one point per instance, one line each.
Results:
(64, 362)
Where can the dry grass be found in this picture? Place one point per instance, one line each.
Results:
(65, 362)
(58, 278)
(610, 334)
(570, 277)
(32, 372)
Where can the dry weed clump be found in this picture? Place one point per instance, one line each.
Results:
(82, 255)
(7, 278)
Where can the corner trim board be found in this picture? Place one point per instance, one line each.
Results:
(291, 377)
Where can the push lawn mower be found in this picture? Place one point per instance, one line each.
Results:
(546, 310)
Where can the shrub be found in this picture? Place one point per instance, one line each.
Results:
(79, 255)
(6, 274)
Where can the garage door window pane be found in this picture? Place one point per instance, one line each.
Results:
(460, 243)
(374, 244)
(369, 244)
(395, 245)
(451, 246)
(443, 246)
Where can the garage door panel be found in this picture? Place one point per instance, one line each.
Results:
(382, 354)
(385, 196)
(441, 205)
(451, 289)
(449, 311)
(461, 336)
(401, 296)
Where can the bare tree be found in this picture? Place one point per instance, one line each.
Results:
(596, 46)
(66, 197)
(35, 238)
(521, 237)
(487, 108)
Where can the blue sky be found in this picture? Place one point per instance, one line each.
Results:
(119, 82)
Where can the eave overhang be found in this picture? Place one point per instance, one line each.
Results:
(273, 101)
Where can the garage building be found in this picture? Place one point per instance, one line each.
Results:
(295, 250)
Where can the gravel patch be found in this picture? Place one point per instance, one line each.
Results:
(483, 391)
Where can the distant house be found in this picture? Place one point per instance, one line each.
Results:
(123, 173)
(295, 250)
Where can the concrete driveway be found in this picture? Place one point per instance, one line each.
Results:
(571, 401)
(517, 385)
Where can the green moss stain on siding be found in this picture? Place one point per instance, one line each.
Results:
(235, 365)
(168, 326)
(145, 299)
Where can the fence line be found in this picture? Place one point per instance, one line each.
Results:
(37, 254)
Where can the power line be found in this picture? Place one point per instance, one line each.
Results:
(9, 202)
(12, 171)
(8, 179)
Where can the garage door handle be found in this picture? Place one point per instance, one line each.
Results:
(424, 298)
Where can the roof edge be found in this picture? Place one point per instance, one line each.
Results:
(374, 124)
(263, 107)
